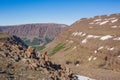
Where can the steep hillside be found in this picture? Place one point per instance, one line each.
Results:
(34, 34)
(90, 43)
(10, 39)
(19, 62)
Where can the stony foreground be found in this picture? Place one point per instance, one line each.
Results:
(19, 62)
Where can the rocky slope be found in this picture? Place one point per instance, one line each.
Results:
(19, 62)
(90, 44)
(36, 34)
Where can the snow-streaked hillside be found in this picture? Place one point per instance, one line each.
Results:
(93, 43)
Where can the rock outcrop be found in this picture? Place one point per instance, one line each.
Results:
(19, 62)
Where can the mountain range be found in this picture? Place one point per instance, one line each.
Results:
(90, 47)
(34, 34)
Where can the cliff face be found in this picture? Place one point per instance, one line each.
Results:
(41, 32)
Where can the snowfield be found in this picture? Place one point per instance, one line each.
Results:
(105, 37)
(79, 77)
(84, 41)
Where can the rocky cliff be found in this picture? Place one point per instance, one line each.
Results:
(19, 62)
(36, 34)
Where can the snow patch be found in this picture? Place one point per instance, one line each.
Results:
(114, 26)
(97, 20)
(77, 64)
(111, 18)
(100, 48)
(92, 36)
(94, 58)
(111, 49)
(80, 33)
(95, 51)
(104, 22)
(83, 34)
(90, 58)
(96, 36)
(114, 20)
(79, 77)
(118, 38)
(118, 56)
(75, 33)
(84, 41)
(105, 37)
(74, 47)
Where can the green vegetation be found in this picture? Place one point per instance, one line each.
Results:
(34, 42)
(57, 48)
(66, 48)
(28, 42)
(39, 48)
(47, 40)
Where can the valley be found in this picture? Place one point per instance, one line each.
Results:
(37, 35)
(88, 47)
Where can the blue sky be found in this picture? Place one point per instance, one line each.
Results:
(14, 12)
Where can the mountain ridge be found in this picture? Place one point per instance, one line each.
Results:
(29, 32)
(90, 44)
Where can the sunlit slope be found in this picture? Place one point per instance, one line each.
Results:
(92, 42)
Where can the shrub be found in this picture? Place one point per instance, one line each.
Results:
(39, 48)
(47, 40)
(35, 41)
(76, 62)
(68, 62)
